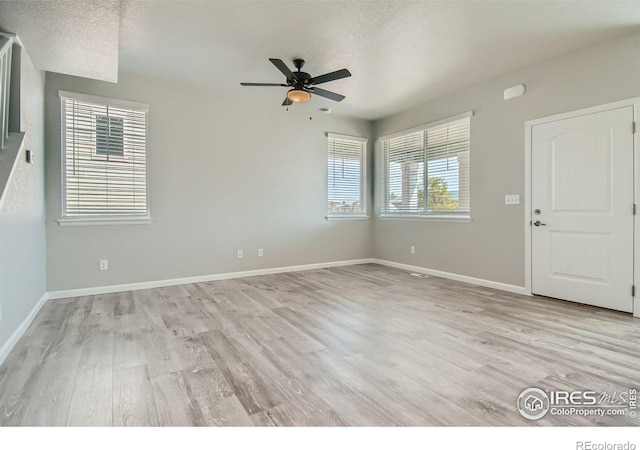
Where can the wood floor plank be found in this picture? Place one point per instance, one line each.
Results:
(160, 352)
(23, 368)
(96, 331)
(182, 318)
(47, 322)
(280, 328)
(148, 304)
(361, 345)
(124, 303)
(226, 411)
(128, 345)
(192, 354)
(251, 388)
(91, 402)
(133, 400)
(313, 329)
(49, 349)
(263, 419)
(212, 401)
(290, 415)
(50, 396)
(306, 408)
(209, 383)
(173, 406)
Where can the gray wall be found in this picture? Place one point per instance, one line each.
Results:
(224, 175)
(22, 233)
(492, 245)
(228, 175)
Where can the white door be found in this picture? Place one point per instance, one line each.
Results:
(582, 209)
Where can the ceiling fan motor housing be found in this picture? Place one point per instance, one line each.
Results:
(303, 79)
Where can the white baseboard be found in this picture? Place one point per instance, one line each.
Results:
(454, 276)
(636, 307)
(200, 279)
(252, 273)
(19, 332)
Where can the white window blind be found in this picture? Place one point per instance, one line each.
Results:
(104, 157)
(425, 171)
(347, 175)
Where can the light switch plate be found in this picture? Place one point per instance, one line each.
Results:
(512, 199)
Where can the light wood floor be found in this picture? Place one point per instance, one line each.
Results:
(359, 345)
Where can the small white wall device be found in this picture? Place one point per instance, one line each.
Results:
(514, 91)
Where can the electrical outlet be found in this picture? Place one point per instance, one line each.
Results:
(413, 250)
(512, 199)
(260, 252)
(240, 254)
(104, 264)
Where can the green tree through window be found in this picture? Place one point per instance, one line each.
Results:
(439, 197)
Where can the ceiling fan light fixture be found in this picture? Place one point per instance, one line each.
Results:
(298, 95)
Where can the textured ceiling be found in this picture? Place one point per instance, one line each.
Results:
(400, 53)
(76, 37)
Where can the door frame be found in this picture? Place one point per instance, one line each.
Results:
(528, 136)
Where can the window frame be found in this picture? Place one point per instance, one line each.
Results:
(364, 177)
(124, 219)
(453, 216)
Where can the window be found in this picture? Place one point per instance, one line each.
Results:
(425, 171)
(347, 176)
(104, 158)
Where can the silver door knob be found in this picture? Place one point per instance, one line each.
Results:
(539, 224)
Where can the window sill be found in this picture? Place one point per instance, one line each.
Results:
(347, 217)
(102, 221)
(432, 218)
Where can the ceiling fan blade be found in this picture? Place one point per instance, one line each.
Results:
(287, 102)
(327, 94)
(282, 67)
(342, 73)
(263, 84)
